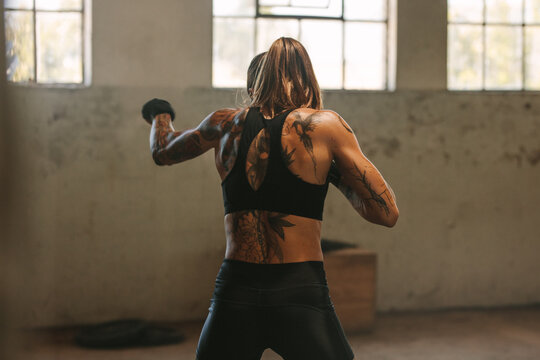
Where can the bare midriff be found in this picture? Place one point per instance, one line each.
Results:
(266, 237)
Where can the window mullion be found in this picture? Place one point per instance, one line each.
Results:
(387, 50)
(35, 42)
(523, 40)
(83, 44)
(484, 19)
(343, 60)
(255, 35)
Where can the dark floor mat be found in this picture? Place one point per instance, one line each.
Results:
(126, 333)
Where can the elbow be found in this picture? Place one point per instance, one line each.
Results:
(388, 219)
(391, 219)
(384, 219)
(158, 160)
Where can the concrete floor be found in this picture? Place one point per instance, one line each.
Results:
(509, 334)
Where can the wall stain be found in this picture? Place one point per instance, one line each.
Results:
(510, 157)
(370, 153)
(533, 157)
(464, 106)
(441, 139)
(464, 130)
(58, 114)
(56, 154)
(390, 146)
(447, 157)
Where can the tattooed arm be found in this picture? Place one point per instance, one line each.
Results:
(358, 179)
(170, 147)
(335, 178)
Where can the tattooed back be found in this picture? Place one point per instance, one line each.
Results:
(261, 236)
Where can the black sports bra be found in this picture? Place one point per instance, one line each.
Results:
(281, 190)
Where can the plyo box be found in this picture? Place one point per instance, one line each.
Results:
(351, 275)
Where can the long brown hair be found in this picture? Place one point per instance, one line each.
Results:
(286, 80)
(253, 72)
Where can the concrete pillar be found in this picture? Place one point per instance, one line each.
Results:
(421, 45)
(8, 338)
(4, 309)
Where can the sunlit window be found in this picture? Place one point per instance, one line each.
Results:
(47, 41)
(494, 44)
(346, 39)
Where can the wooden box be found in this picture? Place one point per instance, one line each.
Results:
(351, 275)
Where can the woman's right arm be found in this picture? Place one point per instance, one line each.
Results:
(170, 147)
(358, 179)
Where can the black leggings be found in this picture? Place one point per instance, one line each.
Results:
(284, 307)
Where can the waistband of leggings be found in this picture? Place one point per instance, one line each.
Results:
(272, 275)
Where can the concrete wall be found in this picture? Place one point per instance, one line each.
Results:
(107, 234)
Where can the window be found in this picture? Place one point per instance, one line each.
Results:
(47, 41)
(494, 44)
(346, 39)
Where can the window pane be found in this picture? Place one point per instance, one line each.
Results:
(19, 27)
(365, 54)
(465, 10)
(274, 2)
(232, 51)
(18, 4)
(268, 30)
(365, 9)
(323, 41)
(532, 11)
(321, 4)
(59, 50)
(532, 63)
(59, 4)
(503, 57)
(333, 9)
(234, 7)
(464, 57)
(504, 11)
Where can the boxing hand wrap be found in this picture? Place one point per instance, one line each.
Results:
(155, 107)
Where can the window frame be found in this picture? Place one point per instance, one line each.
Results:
(85, 12)
(484, 24)
(388, 85)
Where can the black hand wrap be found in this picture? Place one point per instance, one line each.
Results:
(155, 107)
(334, 176)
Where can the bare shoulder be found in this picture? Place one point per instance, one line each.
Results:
(325, 115)
(221, 122)
(325, 121)
(224, 117)
(334, 120)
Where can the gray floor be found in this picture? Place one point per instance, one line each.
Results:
(510, 334)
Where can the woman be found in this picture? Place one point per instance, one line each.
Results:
(274, 160)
